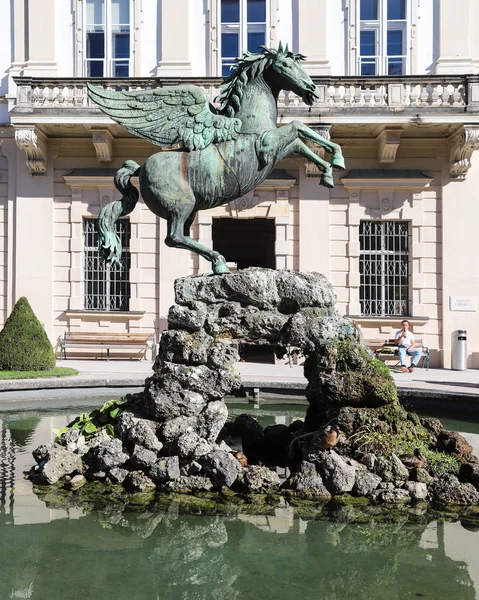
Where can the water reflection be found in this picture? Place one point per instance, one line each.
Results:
(171, 555)
(162, 553)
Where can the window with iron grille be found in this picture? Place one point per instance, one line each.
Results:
(106, 287)
(384, 268)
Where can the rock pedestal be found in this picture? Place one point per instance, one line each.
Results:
(174, 436)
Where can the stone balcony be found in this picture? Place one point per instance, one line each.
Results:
(444, 108)
(342, 99)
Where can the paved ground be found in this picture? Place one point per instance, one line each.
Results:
(131, 374)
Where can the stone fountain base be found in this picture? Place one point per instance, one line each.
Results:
(175, 437)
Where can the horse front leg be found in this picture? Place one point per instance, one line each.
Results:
(179, 224)
(306, 133)
(288, 142)
(299, 147)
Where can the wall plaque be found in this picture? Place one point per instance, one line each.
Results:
(463, 303)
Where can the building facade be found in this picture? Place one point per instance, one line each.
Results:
(399, 87)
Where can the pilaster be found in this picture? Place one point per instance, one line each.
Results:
(311, 35)
(313, 225)
(33, 242)
(175, 59)
(454, 50)
(40, 17)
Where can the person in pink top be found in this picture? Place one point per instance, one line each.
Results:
(406, 345)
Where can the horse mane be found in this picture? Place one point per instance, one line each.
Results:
(247, 68)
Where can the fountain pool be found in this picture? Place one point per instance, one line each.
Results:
(174, 551)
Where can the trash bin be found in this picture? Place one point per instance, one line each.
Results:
(459, 350)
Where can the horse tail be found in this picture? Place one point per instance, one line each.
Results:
(109, 244)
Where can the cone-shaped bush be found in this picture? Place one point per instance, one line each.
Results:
(24, 345)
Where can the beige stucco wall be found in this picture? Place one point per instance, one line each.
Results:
(3, 238)
(460, 271)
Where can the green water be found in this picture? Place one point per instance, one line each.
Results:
(48, 554)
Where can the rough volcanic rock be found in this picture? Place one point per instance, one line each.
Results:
(136, 481)
(175, 435)
(256, 479)
(55, 462)
(365, 482)
(190, 318)
(211, 420)
(221, 467)
(448, 490)
(338, 476)
(420, 475)
(432, 424)
(165, 469)
(394, 496)
(469, 472)
(390, 468)
(191, 445)
(306, 480)
(417, 490)
(188, 484)
(454, 443)
(118, 475)
(142, 457)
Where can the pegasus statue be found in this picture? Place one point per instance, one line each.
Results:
(219, 155)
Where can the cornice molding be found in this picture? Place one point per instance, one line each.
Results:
(34, 143)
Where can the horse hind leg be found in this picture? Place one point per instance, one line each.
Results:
(178, 237)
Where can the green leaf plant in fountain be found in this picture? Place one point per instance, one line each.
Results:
(101, 418)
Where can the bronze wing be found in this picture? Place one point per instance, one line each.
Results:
(167, 116)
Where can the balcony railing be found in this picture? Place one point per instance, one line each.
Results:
(456, 93)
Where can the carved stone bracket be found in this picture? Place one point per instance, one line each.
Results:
(388, 144)
(33, 142)
(462, 144)
(312, 171)
(103, 142)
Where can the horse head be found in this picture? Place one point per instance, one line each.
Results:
(280, 68)
(286, 73)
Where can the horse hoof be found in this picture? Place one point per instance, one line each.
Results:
(337, 162)
(327, 181)
(219, 266)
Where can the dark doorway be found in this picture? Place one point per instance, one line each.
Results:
(247, 242)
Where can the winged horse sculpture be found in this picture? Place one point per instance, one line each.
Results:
(224, 152)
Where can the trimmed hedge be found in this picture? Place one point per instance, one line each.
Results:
(24, 345)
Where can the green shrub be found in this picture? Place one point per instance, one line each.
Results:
(24, 345)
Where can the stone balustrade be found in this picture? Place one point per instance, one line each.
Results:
(337, 94)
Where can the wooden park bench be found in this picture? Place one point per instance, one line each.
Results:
(141, 342)
(387, 350)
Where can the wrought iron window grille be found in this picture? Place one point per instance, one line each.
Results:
(384, 267)
(105, 287)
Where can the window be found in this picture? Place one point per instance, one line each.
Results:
(384, 268)
(107, 38)
(243, 27)
(106, 287)
(382, 37)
